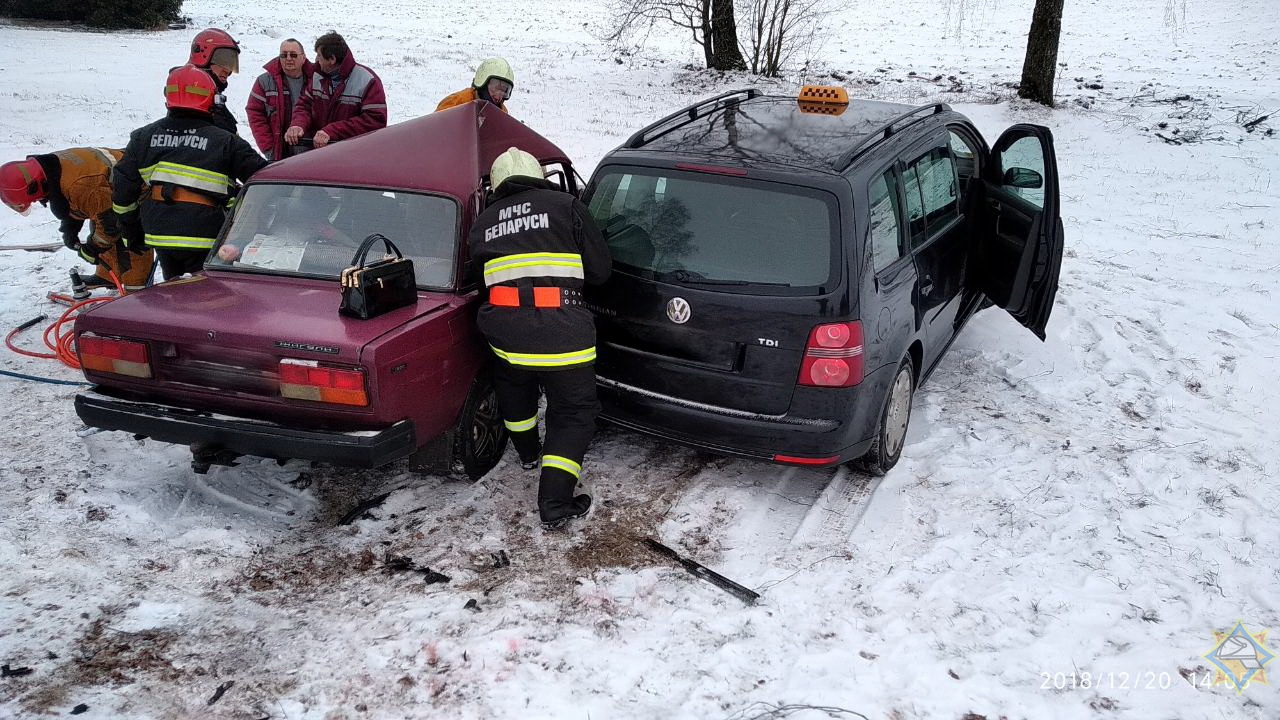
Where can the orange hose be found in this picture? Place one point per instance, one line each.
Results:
(60, 342)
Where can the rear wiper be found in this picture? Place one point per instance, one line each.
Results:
(692, 277)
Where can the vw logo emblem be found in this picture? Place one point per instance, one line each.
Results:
(678, 310)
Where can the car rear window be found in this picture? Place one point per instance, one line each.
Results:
(314, 230)
(710, 230)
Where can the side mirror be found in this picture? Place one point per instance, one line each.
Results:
(1023, 178)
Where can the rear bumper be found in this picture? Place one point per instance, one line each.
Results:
(726, 431)
(167, 423)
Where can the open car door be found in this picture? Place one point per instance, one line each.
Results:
(1019, 248)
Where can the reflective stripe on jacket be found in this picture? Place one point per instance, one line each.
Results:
(532, 265)
(533, 236)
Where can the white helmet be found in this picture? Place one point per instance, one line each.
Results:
(493, 68)
(511, 163)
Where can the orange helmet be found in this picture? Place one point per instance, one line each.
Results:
(206, 46)
(22, 183)
(189, 88)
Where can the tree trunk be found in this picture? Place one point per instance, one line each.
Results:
(725, 54)
(1042, 52)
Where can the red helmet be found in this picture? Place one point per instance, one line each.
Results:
(208, 42)
(22, 183)
(190, 88)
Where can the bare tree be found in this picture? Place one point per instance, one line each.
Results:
(1042, 52)
(712, 23)
(777, 29)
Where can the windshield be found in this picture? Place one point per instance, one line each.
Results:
(314, 230)
(704, 230)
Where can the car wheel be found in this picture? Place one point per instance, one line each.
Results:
(891, 431)
(481, 436)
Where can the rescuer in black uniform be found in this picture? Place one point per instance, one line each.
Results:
(538, 246)
(171, 187)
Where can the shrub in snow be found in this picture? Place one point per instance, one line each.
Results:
(109, 14)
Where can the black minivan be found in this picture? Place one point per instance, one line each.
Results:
(787, 270)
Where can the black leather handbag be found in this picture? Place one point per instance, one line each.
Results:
(378, 287)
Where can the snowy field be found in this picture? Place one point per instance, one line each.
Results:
(1098, 504)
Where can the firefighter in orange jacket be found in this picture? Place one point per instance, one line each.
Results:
(494, 82)
(538, 247)
(75, 184)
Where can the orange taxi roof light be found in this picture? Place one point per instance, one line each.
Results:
(823, 95)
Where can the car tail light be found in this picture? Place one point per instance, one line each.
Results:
(833, 356)
(114, 355)
(308, 380)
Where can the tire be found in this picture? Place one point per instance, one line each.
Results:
(891, 429)
(480, 436)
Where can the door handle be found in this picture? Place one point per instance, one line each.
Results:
(926, 285)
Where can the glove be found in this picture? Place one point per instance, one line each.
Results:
(71, 240)
(89, 252)
(131, 234)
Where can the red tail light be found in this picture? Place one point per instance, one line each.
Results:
(113, 355)
(833, 356)
(308, 380)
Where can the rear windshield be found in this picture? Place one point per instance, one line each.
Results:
(314, 230)
(710, 230)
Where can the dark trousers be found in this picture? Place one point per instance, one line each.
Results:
(572, 405)
(175, 262)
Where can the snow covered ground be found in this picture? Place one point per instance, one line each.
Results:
(1101, 503)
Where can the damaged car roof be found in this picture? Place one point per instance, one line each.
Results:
(444, 152)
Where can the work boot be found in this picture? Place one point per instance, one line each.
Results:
(528, 447)
(557, 504)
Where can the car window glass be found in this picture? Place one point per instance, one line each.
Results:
(315, 230)
(915, 205)
(965, 155)
(931, 181)
(886, 243)
(698, 228)
(1025, 153)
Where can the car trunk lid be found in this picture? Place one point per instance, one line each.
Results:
(226, 335)
(728, 350)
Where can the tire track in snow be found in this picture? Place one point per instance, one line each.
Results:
(836, 514)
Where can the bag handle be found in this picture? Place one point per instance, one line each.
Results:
(363, 251)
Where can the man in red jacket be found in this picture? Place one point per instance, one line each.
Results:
(344, 98)
(275, 95)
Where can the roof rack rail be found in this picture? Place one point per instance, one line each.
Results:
(886, 131)
(695, 111)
